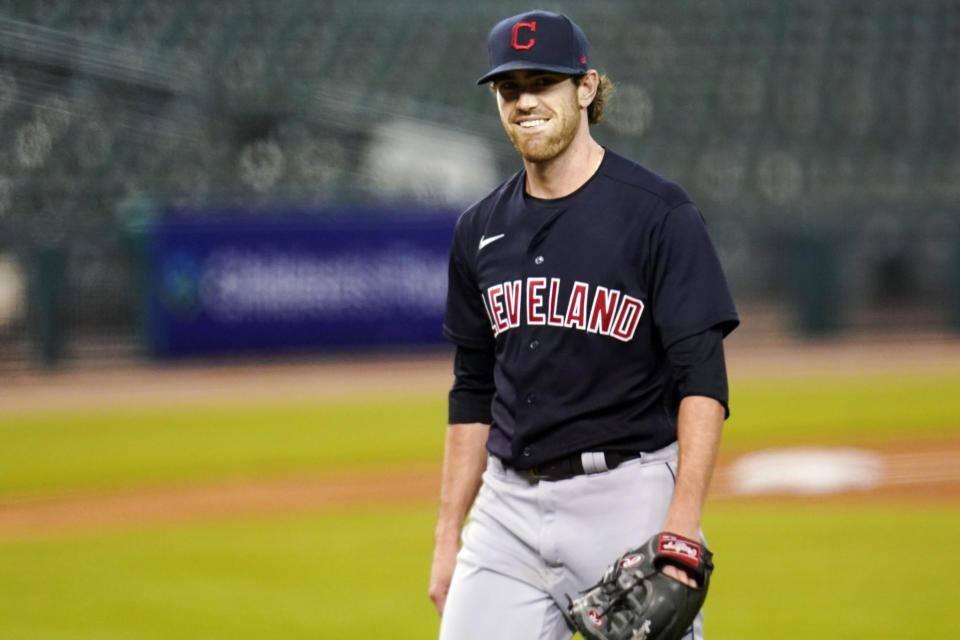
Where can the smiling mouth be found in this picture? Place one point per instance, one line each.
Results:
(529, 124)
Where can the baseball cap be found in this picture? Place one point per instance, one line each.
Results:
(537, 40)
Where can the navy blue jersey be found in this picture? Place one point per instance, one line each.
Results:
(579, 297)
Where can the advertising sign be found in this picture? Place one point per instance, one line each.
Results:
(242, 282)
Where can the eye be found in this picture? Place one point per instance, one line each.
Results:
(507, 89)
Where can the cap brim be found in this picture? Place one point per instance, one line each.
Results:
(521, 65)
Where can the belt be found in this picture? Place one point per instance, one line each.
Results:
(579, 464)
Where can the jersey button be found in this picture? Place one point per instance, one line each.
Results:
(538, 260)
(534, 344)
(526, 452)
(531, 398)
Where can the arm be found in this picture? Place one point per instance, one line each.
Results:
(699, 368)
(699, 425)
(464, 459)
(469, 416)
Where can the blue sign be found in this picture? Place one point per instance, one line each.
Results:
(240, 282)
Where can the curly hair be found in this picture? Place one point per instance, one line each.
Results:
(605, 89)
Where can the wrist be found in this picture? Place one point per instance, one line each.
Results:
(687, 527)
(447, 535)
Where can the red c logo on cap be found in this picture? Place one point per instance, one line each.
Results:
(516, 30)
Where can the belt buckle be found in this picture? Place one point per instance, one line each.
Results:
(534, 475)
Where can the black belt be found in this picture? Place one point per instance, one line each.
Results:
(572, 465)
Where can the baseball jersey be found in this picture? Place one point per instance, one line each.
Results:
(579, 297)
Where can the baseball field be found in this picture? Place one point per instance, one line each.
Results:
(297, 500)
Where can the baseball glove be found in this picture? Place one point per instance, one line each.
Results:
(634, 601)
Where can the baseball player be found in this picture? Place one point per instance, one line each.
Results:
(588, 308)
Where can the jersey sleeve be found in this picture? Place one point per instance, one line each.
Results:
(690, 291)
(473, 386)
(465, 321)
(699, 368)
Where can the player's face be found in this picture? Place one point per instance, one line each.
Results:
(539, 111)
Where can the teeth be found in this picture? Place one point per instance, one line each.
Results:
(531, 123)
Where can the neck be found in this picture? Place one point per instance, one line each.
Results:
(566, 172)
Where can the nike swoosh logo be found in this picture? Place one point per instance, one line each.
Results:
(485, 241)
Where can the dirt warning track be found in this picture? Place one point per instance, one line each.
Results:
(167, 384)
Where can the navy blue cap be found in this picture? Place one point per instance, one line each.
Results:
(536, 40)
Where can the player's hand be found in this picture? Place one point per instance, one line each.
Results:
(679, 575)
(441, 572)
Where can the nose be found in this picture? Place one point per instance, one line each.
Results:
(526, 101)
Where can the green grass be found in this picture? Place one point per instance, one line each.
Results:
(800, 572)
(797, 570)
(59, 451)
(840, 409)
(783, 572)
(335, 575)
(56, 451)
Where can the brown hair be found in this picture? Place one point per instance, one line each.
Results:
(605, 89)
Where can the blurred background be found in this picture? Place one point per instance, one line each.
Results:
(223, 242)
(178, 177)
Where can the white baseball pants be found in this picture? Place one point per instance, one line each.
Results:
(529, 544)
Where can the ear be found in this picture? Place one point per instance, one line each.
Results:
(587, 89)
